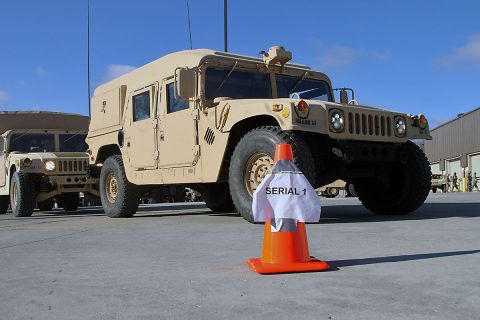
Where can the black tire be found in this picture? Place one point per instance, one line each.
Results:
(22, 195)
(217, 197)
(157, 195)
(402, 188)
(332, 192)
(350, 189)
(4, 203)
(434, 190)
(127, 195)
(263, 140)
(70, 201)
(180, 194)
(46, 205)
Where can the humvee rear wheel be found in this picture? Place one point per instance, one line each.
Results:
(400, 188)
(253, 158)
(22, 195)
(217, 197)
(120, 198)
(4, 202)
(46, 205)
(70, 201)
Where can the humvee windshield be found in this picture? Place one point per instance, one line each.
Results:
(306, 89)
(32, 142)
(72, 143)
(245, 84)
(237, 84)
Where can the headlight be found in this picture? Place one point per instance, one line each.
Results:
(49, 165)
(400, 127)
(336, 120)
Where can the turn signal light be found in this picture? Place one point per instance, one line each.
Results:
(27, 162)
(422, 121)
(302, 106)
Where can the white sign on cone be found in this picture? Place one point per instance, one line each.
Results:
(285, 193)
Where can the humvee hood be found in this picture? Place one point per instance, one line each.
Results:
(57, 155)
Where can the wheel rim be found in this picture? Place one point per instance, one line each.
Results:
(111, 187)
(15, 194)
(256, 169)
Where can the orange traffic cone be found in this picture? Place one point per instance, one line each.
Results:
(284, 252)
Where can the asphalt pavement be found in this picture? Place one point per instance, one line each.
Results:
(181, 261)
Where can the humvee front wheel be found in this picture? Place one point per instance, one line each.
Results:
(120, 198)
(332, 192)
(22, 195)
(4, 202)
(70, 201)
(400, 188)
(253, 158)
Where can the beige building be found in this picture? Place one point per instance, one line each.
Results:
(455, 147)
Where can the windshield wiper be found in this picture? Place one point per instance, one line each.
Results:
(298, 82)
(73, 136)
(22, 135)
(228, 75)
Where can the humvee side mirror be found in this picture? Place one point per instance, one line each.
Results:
(185, 83)
(344, 97)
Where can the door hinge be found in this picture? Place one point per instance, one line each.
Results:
(196, 150)
(155, 123)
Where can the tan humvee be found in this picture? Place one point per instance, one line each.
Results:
(332, 189)
(210, 120)
(42, 155)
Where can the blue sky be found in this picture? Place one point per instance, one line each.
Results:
(412, 56)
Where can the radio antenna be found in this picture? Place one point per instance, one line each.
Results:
(88, 57)
(189, 28)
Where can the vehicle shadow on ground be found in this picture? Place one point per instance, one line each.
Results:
(336, 264)
(330, 214)
(357, 213)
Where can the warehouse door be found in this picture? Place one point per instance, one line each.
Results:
(454, 166)
(435, 167)
(475, 164)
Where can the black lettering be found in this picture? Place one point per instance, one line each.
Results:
(268, 190)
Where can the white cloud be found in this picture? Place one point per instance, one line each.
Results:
(116, 70)
(4, 96)
(339, 56)
(40, 71)
(467, 54)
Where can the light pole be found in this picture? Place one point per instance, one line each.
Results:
(225, 34)
(88, 57)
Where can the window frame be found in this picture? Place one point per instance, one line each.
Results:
(139, 93)
(167, 91)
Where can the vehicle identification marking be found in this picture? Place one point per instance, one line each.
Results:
(307, 122)
(286, 191)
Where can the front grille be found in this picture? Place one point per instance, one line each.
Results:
(72, 166)
(369, 125)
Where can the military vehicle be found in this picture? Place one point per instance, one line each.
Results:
(42, 156)
(210, 120)
(331, 190)
(439, 182)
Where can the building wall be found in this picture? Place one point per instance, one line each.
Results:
(456, 139)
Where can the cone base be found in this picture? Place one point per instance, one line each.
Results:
(258, 266)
